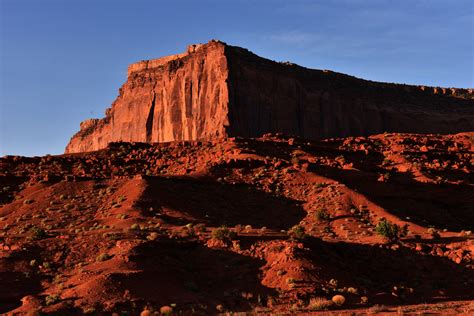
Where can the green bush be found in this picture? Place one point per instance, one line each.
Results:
(322, 215)
(297, 232)
(223, 233)
(52, 299)
(390, 231)
(37, 233)
(103, 257)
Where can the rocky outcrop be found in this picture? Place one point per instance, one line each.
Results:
(216, 90)
(179, 97)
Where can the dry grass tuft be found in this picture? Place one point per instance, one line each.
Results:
(319, 304)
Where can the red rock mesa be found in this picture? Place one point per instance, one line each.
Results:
(215, 90)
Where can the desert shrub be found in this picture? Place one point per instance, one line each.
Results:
(52, 299)
(338, 299)
(390, 231)
(328, 230)
(319, 304)
(433, 232)
(291, 282)
(36, 233)
(102, 257)
(321, 185)
(297, 232)
(322, 215)
(223, 234)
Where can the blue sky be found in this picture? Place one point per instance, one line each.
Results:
(64, 61)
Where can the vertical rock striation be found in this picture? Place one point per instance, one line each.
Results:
(216, 90)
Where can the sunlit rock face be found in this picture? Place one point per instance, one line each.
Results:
(215, 90)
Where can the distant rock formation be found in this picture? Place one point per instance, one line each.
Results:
(215, 90)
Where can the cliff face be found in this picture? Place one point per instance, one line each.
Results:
(280, 97)
(179, 97)
(216, 90)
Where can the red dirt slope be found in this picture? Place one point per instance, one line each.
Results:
(136, 228)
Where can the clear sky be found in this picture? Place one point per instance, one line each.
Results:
(63, 61)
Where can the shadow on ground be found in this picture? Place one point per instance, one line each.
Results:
(187, 273)
(378, 270)
(219, 204)
(441, 205)
(17, 280)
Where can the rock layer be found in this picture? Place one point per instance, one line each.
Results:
(216, 90)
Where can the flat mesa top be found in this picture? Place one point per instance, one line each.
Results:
(153, 63)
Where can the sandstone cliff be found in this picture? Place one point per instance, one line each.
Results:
(216, 90)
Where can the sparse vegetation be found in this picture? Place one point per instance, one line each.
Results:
(103, 257)
(52, 299)
(319, 304)
(223, 234)
(390, 231)
(84, 235)
(434, 233)
(37, 233)
(321, 185)
(297, 232)
(323, 215)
